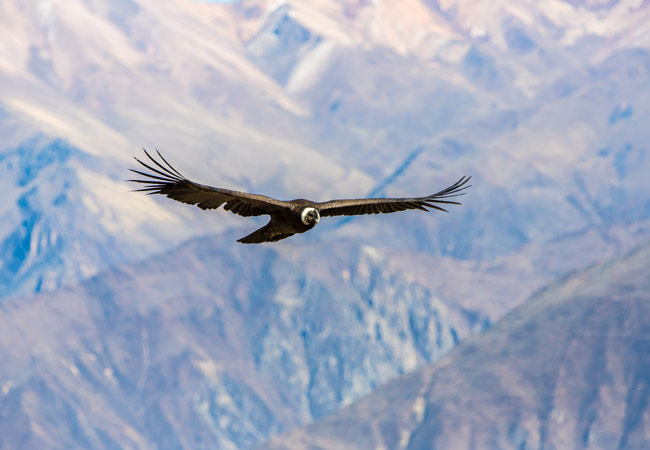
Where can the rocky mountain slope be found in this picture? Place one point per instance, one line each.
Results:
(206, 348)
(567, 369)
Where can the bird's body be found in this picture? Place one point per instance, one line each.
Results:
(284, 223)
(287, 217)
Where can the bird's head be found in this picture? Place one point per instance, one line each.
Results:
(310, 216)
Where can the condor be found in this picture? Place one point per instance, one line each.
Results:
(287, 217)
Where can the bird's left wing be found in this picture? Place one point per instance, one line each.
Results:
(388, 205)
(168, 181)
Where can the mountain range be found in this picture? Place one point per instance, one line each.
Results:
(137, 321)
(203, 355)
(542, 103)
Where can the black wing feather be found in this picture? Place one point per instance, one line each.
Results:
(168, 181)
(359, 206)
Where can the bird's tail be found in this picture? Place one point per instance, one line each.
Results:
(264, 234)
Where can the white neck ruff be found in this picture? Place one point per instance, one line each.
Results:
(303, 215)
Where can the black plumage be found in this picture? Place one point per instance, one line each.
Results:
(287, 217)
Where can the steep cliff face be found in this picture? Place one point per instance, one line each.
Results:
(567, 369)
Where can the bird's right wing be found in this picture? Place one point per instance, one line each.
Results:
(389, 205)
(168, 181)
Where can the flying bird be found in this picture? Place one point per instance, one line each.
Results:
(287, 217)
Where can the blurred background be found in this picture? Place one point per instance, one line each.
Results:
(518, 320)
